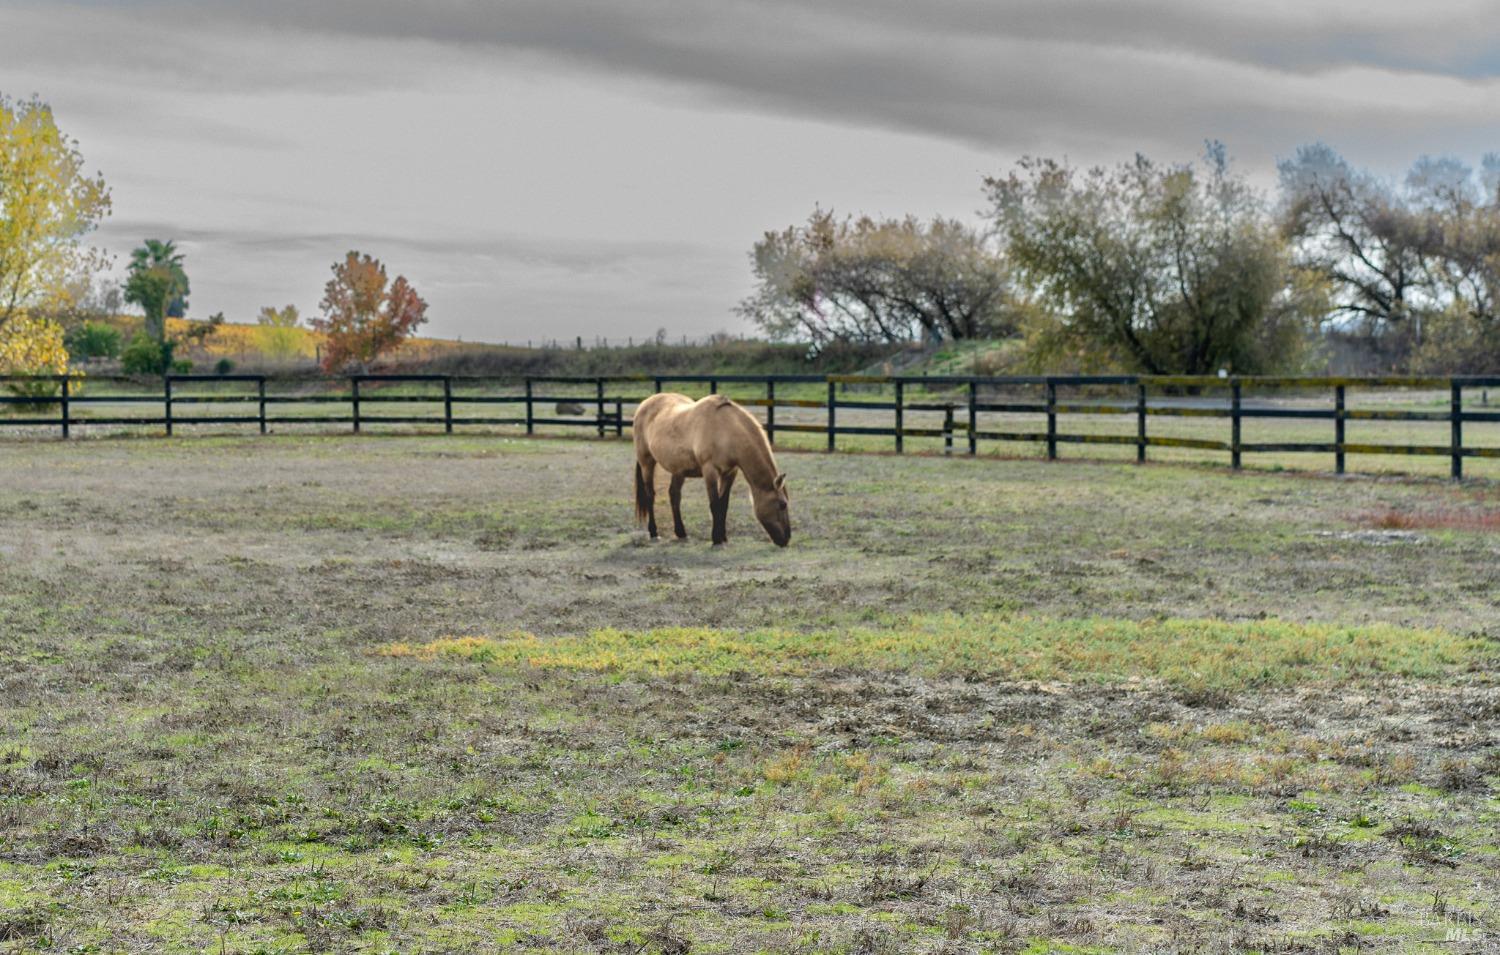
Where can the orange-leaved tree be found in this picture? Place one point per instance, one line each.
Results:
(363, 314)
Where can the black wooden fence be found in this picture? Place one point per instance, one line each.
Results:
(961, 400)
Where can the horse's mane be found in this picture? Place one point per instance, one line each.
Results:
(753, 426)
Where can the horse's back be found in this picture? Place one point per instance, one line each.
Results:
(655, 408)
(659, 432)
(683, 435)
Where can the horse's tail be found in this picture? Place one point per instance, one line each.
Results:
(642, 495)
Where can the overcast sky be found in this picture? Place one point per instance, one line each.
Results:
(550, 168)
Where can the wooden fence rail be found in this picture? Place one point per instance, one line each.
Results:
(1177, 396)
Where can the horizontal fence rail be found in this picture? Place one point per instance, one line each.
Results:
(56, 402)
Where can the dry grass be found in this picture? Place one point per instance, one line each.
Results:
(1460, 519)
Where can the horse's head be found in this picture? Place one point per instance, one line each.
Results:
(771, 510)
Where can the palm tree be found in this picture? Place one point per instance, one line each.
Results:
(158, 284)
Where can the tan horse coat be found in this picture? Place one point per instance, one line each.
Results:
(714, 439)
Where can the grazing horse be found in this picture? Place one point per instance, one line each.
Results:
(714, 439)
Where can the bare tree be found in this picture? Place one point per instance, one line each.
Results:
(1364, 237)
(1414, 265)
(868, 280)
(1461, 312)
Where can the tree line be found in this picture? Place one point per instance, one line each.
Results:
(1176, 268)
(1166, 269)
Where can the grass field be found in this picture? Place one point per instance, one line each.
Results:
(438, 694)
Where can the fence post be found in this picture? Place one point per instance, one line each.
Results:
(1051, 420)
(599, 405)
(66, 413)
(1338, 429)
(166, 384)
(447, 405)
(1234, 425)
(261, 392)
(900, 415)
(771, 410)
(973, 418)
(530, 418)
(713, 386)
(833, 403)
(948, 430)
(1456, 416)
(1140, 424)
(619, 418)
(658, 385)
(354, 386)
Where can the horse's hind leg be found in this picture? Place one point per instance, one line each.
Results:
(645, 493)
(675, 493)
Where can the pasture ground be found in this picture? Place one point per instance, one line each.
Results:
(437, 694)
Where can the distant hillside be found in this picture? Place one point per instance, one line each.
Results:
(241, 344)
(725, 356)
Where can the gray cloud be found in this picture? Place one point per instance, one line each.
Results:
(511, 249)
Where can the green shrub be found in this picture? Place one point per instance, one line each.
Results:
(223, 366)
(31, 389)
(94, 340)
(147, 356)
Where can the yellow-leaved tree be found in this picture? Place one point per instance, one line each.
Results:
(278, 335)
(47, 206)
(33, 346)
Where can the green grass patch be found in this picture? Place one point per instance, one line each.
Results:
(1207, 653)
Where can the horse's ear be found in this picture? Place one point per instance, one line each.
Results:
(780, 480)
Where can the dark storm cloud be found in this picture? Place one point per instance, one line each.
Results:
(663, 35)
(996, 74)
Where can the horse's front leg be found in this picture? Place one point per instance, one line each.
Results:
(715, 496)
(675, 493)
(718, 502)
